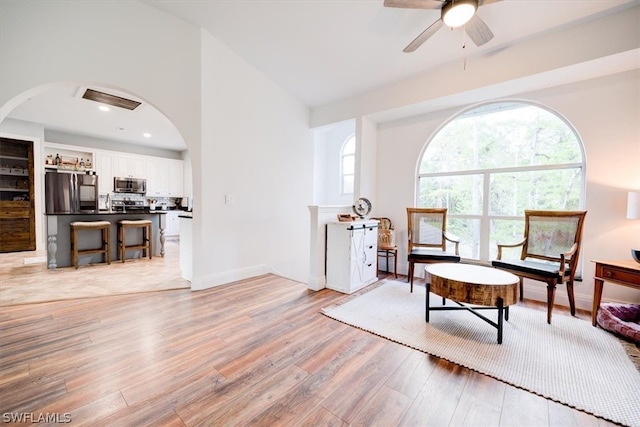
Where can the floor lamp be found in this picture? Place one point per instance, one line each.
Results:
(633, 212)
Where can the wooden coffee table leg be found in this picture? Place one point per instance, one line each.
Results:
(500, 320)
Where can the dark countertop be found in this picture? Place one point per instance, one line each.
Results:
(97, 213)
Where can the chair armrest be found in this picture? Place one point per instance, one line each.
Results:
(563, 260)
(452, 240)
(514, 245)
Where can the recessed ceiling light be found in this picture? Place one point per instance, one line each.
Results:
(147, 135)
(103, 108)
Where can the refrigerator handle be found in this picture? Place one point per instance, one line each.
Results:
(75, 201)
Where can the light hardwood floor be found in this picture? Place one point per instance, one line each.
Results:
(257, 352)
(24, 281)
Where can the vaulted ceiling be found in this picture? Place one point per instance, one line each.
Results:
(322, 51)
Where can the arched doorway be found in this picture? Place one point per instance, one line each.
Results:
(57, 115)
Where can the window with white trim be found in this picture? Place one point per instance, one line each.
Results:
(490, 163)
(348, 165)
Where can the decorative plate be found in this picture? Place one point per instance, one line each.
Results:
(362, 207)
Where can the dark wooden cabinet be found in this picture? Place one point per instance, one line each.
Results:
(17, 205)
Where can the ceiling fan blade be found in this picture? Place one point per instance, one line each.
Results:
(417, 42)
(478, 31)
(415, 4)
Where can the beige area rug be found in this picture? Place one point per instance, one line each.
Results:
(569, 361)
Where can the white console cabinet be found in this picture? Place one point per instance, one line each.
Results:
(351, 255)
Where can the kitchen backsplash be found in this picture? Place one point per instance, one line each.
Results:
(169, 202)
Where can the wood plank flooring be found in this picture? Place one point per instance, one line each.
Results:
(253, 353)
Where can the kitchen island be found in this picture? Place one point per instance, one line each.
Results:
(58, 235)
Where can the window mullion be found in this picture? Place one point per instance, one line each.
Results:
(485, 223)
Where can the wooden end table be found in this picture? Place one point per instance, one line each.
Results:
(623, 272)
(473, 284)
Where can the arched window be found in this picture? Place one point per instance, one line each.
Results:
(347, 165)
(490, 163)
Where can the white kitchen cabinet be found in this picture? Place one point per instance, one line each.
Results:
(103, 162)
(175, 172)
(173, 223)
(110, 164)
(352, 248)
(157, 178)
(129, 166)
(165, 178)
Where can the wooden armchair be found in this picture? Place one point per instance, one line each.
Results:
(427, 231)
(550, 252)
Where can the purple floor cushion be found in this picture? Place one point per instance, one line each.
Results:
(621, 319)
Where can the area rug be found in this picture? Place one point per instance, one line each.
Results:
(569, 361)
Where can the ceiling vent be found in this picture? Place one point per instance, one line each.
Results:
(105, 98)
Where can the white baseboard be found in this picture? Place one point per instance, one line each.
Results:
(539, 293)
(231, 276)
(35, 260)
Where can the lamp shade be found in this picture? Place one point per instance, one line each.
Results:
(633, 205)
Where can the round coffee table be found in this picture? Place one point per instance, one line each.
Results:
(473, 284)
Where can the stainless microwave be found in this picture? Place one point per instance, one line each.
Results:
(129, 185)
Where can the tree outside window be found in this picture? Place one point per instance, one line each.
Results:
(348, 165)
(490, 163)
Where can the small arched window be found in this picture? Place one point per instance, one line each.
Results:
(347, 165)
(490, 163)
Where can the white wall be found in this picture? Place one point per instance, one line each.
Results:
(366, 155)
(257, 154)
(328, 142)
(605, 112)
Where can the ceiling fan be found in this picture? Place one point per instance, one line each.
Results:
(453, 13)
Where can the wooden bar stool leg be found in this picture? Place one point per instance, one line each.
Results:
(74, 248)
(149, 240)
(106, 239)
(121, 242)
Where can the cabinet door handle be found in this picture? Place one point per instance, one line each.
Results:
(608, 274)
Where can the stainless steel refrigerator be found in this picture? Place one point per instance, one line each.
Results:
(70, 192)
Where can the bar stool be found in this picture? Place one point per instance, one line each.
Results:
(105, 233)
(146, 244)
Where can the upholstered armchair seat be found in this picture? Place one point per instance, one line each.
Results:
(432, 255)
(549, 270)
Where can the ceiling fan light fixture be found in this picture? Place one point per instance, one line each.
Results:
(456, 13)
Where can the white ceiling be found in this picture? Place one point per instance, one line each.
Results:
(64, 109)
(319, 50)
